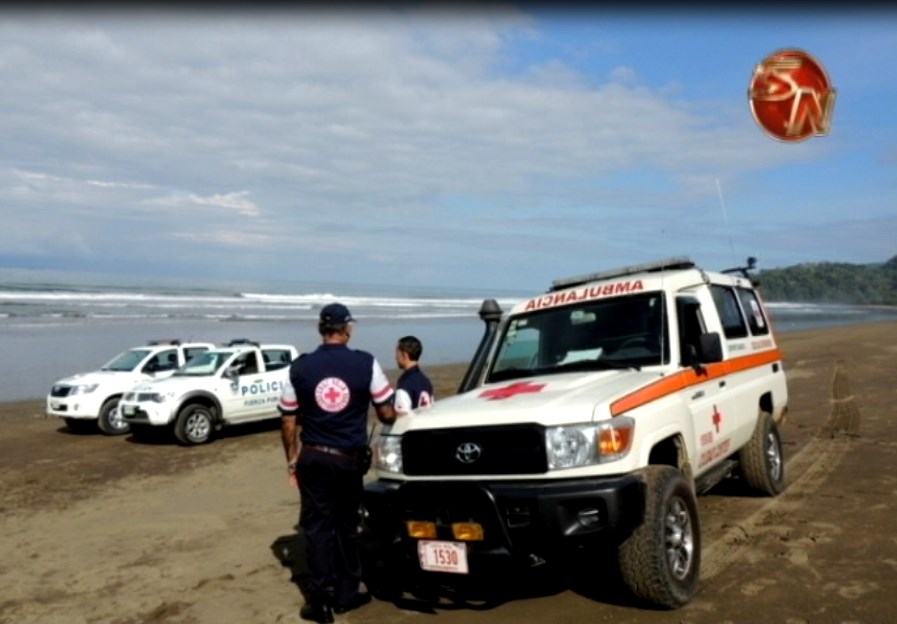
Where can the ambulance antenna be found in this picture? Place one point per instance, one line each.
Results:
(722, 203)
(663, 311)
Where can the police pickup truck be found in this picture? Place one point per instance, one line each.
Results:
(91, 399)
(591, 415)
(237, 383)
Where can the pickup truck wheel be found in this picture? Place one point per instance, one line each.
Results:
(660, 560)
(194, 425)
(761, 460)
(110, 420)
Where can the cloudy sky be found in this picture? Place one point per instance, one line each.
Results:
(498, 148)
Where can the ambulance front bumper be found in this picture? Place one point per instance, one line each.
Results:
(524, 523)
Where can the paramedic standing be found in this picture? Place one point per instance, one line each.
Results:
(413, 388)
(326, 402)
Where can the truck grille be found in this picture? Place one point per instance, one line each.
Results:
(138, 397)
(60, 391)
(510, 449)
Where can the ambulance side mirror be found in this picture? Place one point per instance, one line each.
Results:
(710, 348)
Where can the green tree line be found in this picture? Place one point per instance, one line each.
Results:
(832, 282)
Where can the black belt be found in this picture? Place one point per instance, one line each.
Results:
(333, 451)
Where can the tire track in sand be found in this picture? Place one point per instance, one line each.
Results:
(811, 467)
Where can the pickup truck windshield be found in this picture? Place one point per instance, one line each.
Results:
(126, 361)
(622, 332)
(203, 364)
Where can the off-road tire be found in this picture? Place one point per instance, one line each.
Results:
(109, 419)
(660, 561)
(194, 424)
(761, 460)
(81, 425)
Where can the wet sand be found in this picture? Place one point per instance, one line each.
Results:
(96, 529)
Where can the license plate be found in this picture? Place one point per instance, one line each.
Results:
(128, 410)
(442, 556)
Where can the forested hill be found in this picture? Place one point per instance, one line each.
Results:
(832, 282)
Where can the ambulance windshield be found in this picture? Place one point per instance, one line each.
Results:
(618, 332)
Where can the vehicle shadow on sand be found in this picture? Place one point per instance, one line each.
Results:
(594, 576)
(155, 436)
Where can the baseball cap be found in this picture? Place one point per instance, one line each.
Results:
(336, 313)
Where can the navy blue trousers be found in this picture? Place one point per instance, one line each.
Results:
(331, 487)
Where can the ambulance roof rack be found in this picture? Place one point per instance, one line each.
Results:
(751, 265)
(679, 262)
(164, 341)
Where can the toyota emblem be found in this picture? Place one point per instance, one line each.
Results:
(468, 452)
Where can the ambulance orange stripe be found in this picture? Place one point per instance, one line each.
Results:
(680, 381)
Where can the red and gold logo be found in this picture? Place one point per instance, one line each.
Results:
(791, 96)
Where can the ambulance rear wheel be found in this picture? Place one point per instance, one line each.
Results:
(194, 425)
(761, 459)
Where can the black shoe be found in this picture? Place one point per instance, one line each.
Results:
(316, 612)
(359, 600)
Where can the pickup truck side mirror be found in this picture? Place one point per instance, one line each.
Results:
(710, 348)
(232, 372)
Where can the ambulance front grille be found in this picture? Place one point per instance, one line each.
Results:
(507, 450)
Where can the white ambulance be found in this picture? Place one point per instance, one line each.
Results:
(591, 416)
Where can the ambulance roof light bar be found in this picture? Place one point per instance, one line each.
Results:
(678, 262)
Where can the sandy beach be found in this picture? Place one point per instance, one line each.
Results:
(108, 530)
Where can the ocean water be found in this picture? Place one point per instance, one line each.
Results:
(56, 324)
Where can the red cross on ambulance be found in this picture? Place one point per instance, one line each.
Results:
(521, 387)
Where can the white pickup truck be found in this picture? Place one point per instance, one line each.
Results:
(86, 400)
(591, 415)
(240, 382)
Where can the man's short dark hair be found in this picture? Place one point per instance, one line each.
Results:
(411, 346)
(330, 329)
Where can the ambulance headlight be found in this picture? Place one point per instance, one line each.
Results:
(572, 446)
(568, 447)
(388, 453)
(83, 389)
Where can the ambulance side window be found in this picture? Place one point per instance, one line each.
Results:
(729, 312)
(754, 311)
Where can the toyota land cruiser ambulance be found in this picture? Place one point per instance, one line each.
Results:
(591, 414)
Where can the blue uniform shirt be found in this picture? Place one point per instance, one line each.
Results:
(413, 390)
(332, 388)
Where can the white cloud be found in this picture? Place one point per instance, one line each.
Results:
(342, 133)
(231, 201)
